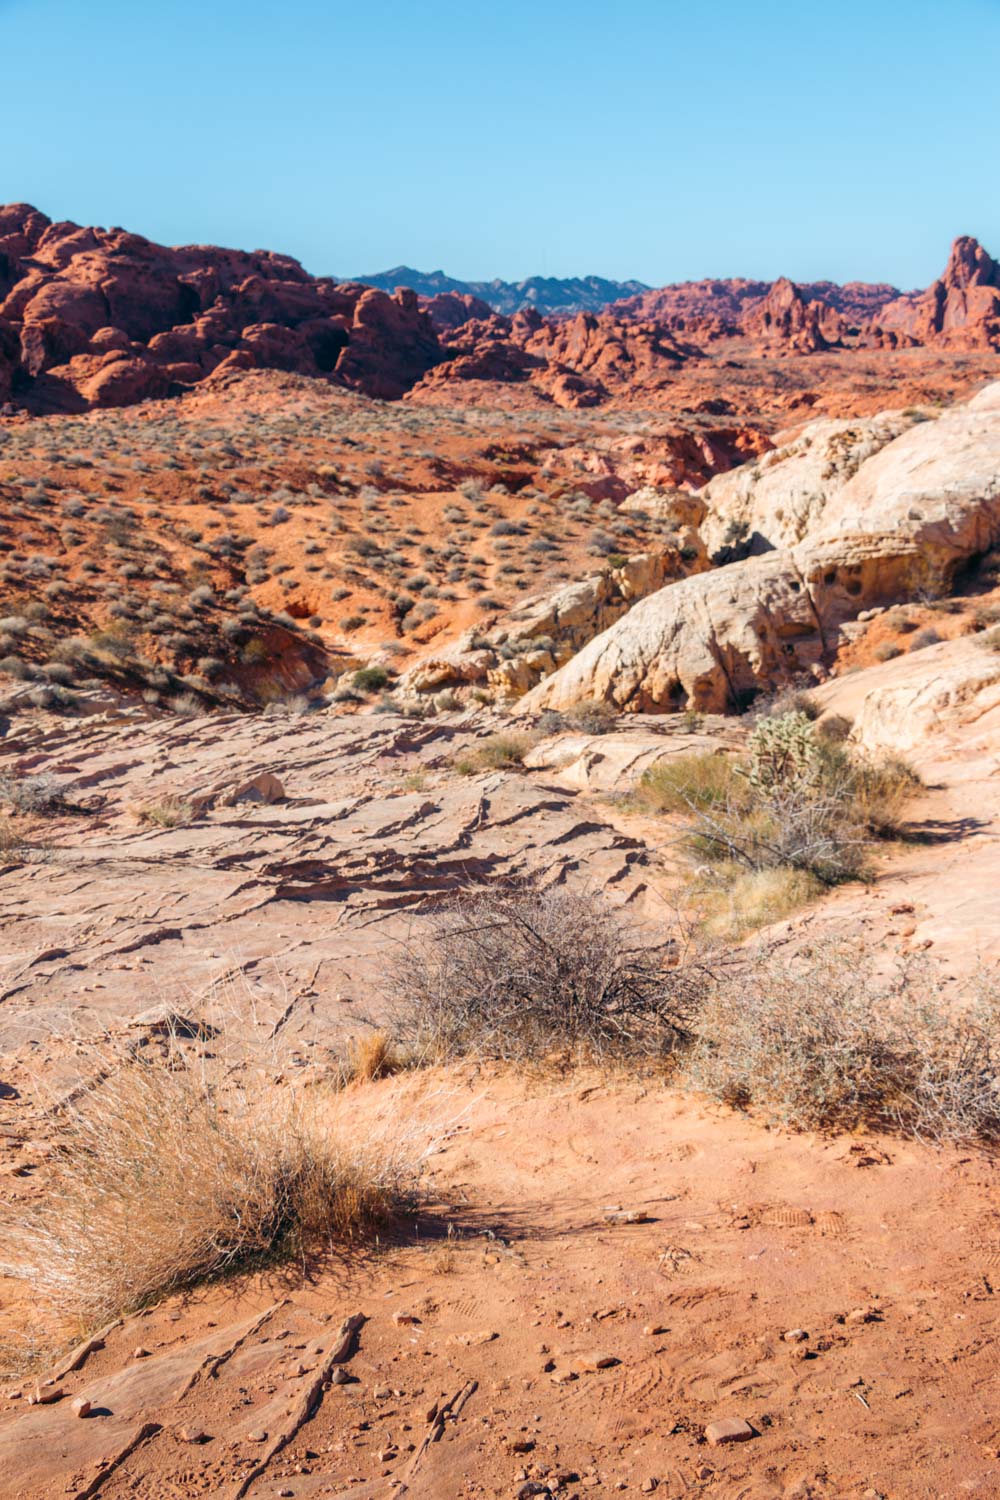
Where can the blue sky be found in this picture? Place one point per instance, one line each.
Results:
(656, 140)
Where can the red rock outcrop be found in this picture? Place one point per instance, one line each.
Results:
(713, 309)
(575, 362)
(787, 318)
(101, 317)
(104, 318)
(960, 309)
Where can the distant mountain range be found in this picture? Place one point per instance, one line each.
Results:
(549, 294)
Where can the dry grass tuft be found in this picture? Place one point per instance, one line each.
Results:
(734, 902)
(815, 1044)
(168, 1174)
(372, 1057)
(690, 782)
(514, 973)
(167, 812)
(498, 752)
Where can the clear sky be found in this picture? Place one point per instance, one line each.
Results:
(644, 138)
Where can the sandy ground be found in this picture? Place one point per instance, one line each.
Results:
(591, 1354)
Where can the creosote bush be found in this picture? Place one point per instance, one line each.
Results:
(814, 1043)
(370, 679)
(515, 973)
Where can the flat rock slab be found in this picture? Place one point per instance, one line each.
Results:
(728, 1430)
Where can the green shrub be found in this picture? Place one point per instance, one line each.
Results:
(370, 679)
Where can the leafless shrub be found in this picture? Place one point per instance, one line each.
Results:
(515, 972)
(19, 840)
(32, 794)
(816, 1043)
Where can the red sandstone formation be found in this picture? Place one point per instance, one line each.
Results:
(960, 309)
(94, 317)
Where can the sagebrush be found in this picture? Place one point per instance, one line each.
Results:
(814, 1041)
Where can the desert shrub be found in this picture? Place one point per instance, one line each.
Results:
(592, 716)
(166, 1177)
(880, 790)
(31, 794)
(796, 801)
(498, 752)
(985, 615)
(925, 637)
(990, 639)
(370, 679)
(787, 701)
(516, 972)
(835, 728)
(887, 651)
(17, 840)
(814, 1042)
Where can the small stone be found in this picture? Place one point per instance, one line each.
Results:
(82, 1406)
(340, 1376)
(649, 1485)
(192, 1435)
(387, 1454)
(257, 1437)
(563, 1377)
(795, 1336)
(382, 1392)
(405, 1320)
(653, 1330)
(533, 1487)
(523, 1445)
(140, 1353)
(625, 1216)
(47, 1397)
(589, 1364)
(728, 1430)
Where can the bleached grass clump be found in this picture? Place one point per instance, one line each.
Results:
(167, 1174)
